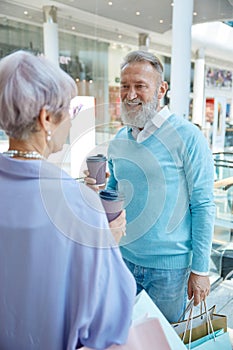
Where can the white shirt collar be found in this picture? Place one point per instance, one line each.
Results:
(151, 125)
(160, 117)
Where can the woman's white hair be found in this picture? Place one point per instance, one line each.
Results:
(29, 83)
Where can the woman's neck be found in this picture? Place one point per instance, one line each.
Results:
(25, 149)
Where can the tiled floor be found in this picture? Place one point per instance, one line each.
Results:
(222, 296)
(222, 290)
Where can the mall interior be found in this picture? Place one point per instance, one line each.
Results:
(192, 38)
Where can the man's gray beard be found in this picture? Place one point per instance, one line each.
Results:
(139, 118)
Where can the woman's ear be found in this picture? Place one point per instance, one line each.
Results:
(45, 119)
(162, 89)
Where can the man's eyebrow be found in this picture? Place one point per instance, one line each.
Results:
(136, 82)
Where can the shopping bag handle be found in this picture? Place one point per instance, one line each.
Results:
(188, 307)
(210, 329)
(190, 304)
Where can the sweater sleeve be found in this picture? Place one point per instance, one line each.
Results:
(112, 182)
(199, 171)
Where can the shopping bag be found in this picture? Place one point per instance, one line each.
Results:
(217, 341)
(146, 335)
(145, 307)
(198, 320)
(200, 325)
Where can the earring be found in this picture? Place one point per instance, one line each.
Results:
(48, 138)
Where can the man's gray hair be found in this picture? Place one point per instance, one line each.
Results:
(29, 83)
(143, 56)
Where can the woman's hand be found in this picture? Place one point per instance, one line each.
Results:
(91, 182)
(118, 226)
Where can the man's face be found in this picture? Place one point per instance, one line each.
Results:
(139, 93)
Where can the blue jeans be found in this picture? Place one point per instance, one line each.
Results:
(167, 288)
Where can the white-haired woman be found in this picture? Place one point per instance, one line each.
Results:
(63, 281)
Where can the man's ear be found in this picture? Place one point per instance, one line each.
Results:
(162, 89)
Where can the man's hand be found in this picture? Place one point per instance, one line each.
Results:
(118, 226)
(199, 287)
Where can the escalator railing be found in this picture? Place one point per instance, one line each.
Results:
(222, 254)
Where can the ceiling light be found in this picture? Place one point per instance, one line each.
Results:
(73, 28)
(26, 13)
(172, 4)
(161, 21)
(194, 13)
(110, 3)
(137, 13)
(119, 36)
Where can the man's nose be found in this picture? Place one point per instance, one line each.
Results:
(131, 93)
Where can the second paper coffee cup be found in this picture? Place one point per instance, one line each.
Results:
(96, 166)
(113, 203)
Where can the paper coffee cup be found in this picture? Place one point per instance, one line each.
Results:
(96, 166)
(113, 203)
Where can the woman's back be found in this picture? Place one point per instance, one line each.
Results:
(59, 270)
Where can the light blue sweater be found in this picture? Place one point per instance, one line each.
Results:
(167, 180)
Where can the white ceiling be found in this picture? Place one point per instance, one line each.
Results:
(117, 23)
